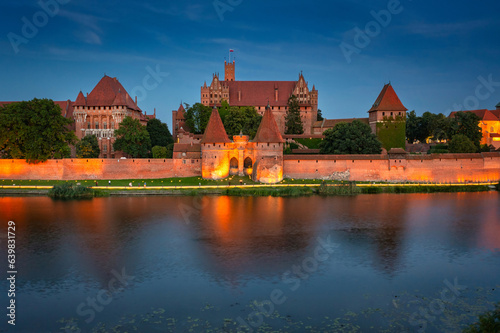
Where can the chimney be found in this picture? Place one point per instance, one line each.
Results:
(154, 114)
(239, 95)
(135, 100)
(276, 94)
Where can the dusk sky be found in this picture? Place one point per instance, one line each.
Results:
(438, 56)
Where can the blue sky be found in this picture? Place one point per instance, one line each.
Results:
(438, 56)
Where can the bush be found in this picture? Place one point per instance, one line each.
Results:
(488, 322)
(342, 189)
(159, 152)
(309, 143)
(70, 191)
(462, 144)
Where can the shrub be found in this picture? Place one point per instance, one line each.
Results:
(488, 322)
(159, 152)
(70, 191)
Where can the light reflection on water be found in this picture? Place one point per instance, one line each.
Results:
(211, 257)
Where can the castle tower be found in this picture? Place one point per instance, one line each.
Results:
(215, 147)
(268, 167)
(229, 71)
(387, 119)
(178, 121)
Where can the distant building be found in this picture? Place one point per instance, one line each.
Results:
(101, 112)
(259, 94)
(490, 125)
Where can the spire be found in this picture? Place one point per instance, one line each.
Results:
(388, 100)
(80, 100)
(215, 131)
(268, 129)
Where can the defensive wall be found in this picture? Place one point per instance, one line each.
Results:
(402, 167)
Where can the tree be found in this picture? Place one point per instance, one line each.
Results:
(159, 152)
(35, 130)
(159, 133)
(197, 117)
(461, 144)
(320, 115)
(245, 119)
(88, 147)
(350, 138)
(411, 126)
(293, 123)
(466, 123)
(224, 110)
(132, 138)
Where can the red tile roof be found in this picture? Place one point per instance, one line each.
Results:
(66, 107)
(388, 100)
(80, 100)
(215, 131)
(484, 114)
(180, 113)
(106, 91)
(187, 147)
(259, 93)
(268, 129)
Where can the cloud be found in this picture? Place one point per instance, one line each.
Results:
(193, 12)
(90, 26)
(439, 30)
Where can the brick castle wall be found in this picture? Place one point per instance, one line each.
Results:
(434, 168)
(73, 169)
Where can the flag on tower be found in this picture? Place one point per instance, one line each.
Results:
(231, 50)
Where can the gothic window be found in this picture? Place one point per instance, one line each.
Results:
(105, 148)
(88, 125)
(105, 125)
(96, 125)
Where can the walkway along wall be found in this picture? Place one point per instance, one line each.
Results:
(433, 168)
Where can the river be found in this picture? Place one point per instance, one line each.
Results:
(385, 262)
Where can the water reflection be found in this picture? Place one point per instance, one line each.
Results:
(205, 246)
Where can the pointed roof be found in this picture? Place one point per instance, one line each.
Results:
(180, 113)
(120, 99)
(485, 115)
(106, 91)
(215, 131)
(268, 129)
(80, 100)
(388, 100)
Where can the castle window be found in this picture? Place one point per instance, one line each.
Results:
(104, 125)
(96, 125)
(88, 125)
(391, 114)
(383, 113)
(112, 125)
(105, 148)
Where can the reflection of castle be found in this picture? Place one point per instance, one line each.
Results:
(259, 94)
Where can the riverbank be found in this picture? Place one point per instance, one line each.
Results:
(236, 186)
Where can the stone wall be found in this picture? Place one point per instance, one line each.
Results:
(73, 169)
(433, 168)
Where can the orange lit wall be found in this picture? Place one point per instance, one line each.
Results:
(433, 168)
(73, 169)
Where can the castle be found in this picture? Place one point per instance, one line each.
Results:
(261, 94)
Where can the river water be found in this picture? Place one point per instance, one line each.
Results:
(384, 262)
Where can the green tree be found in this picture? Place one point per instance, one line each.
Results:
(245, 119)
(197, 117)
(88, 147)
(35, 130)
(350, 138)
(224, 110)
(412, 124)
(159, 152)
(461, 144)
(293, 123)
(466, 123)
(159, 133)
(132, 138)
(320, 115)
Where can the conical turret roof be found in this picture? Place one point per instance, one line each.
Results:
(80, 100)
(388, 100)
(215, 131)
(268, 129)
